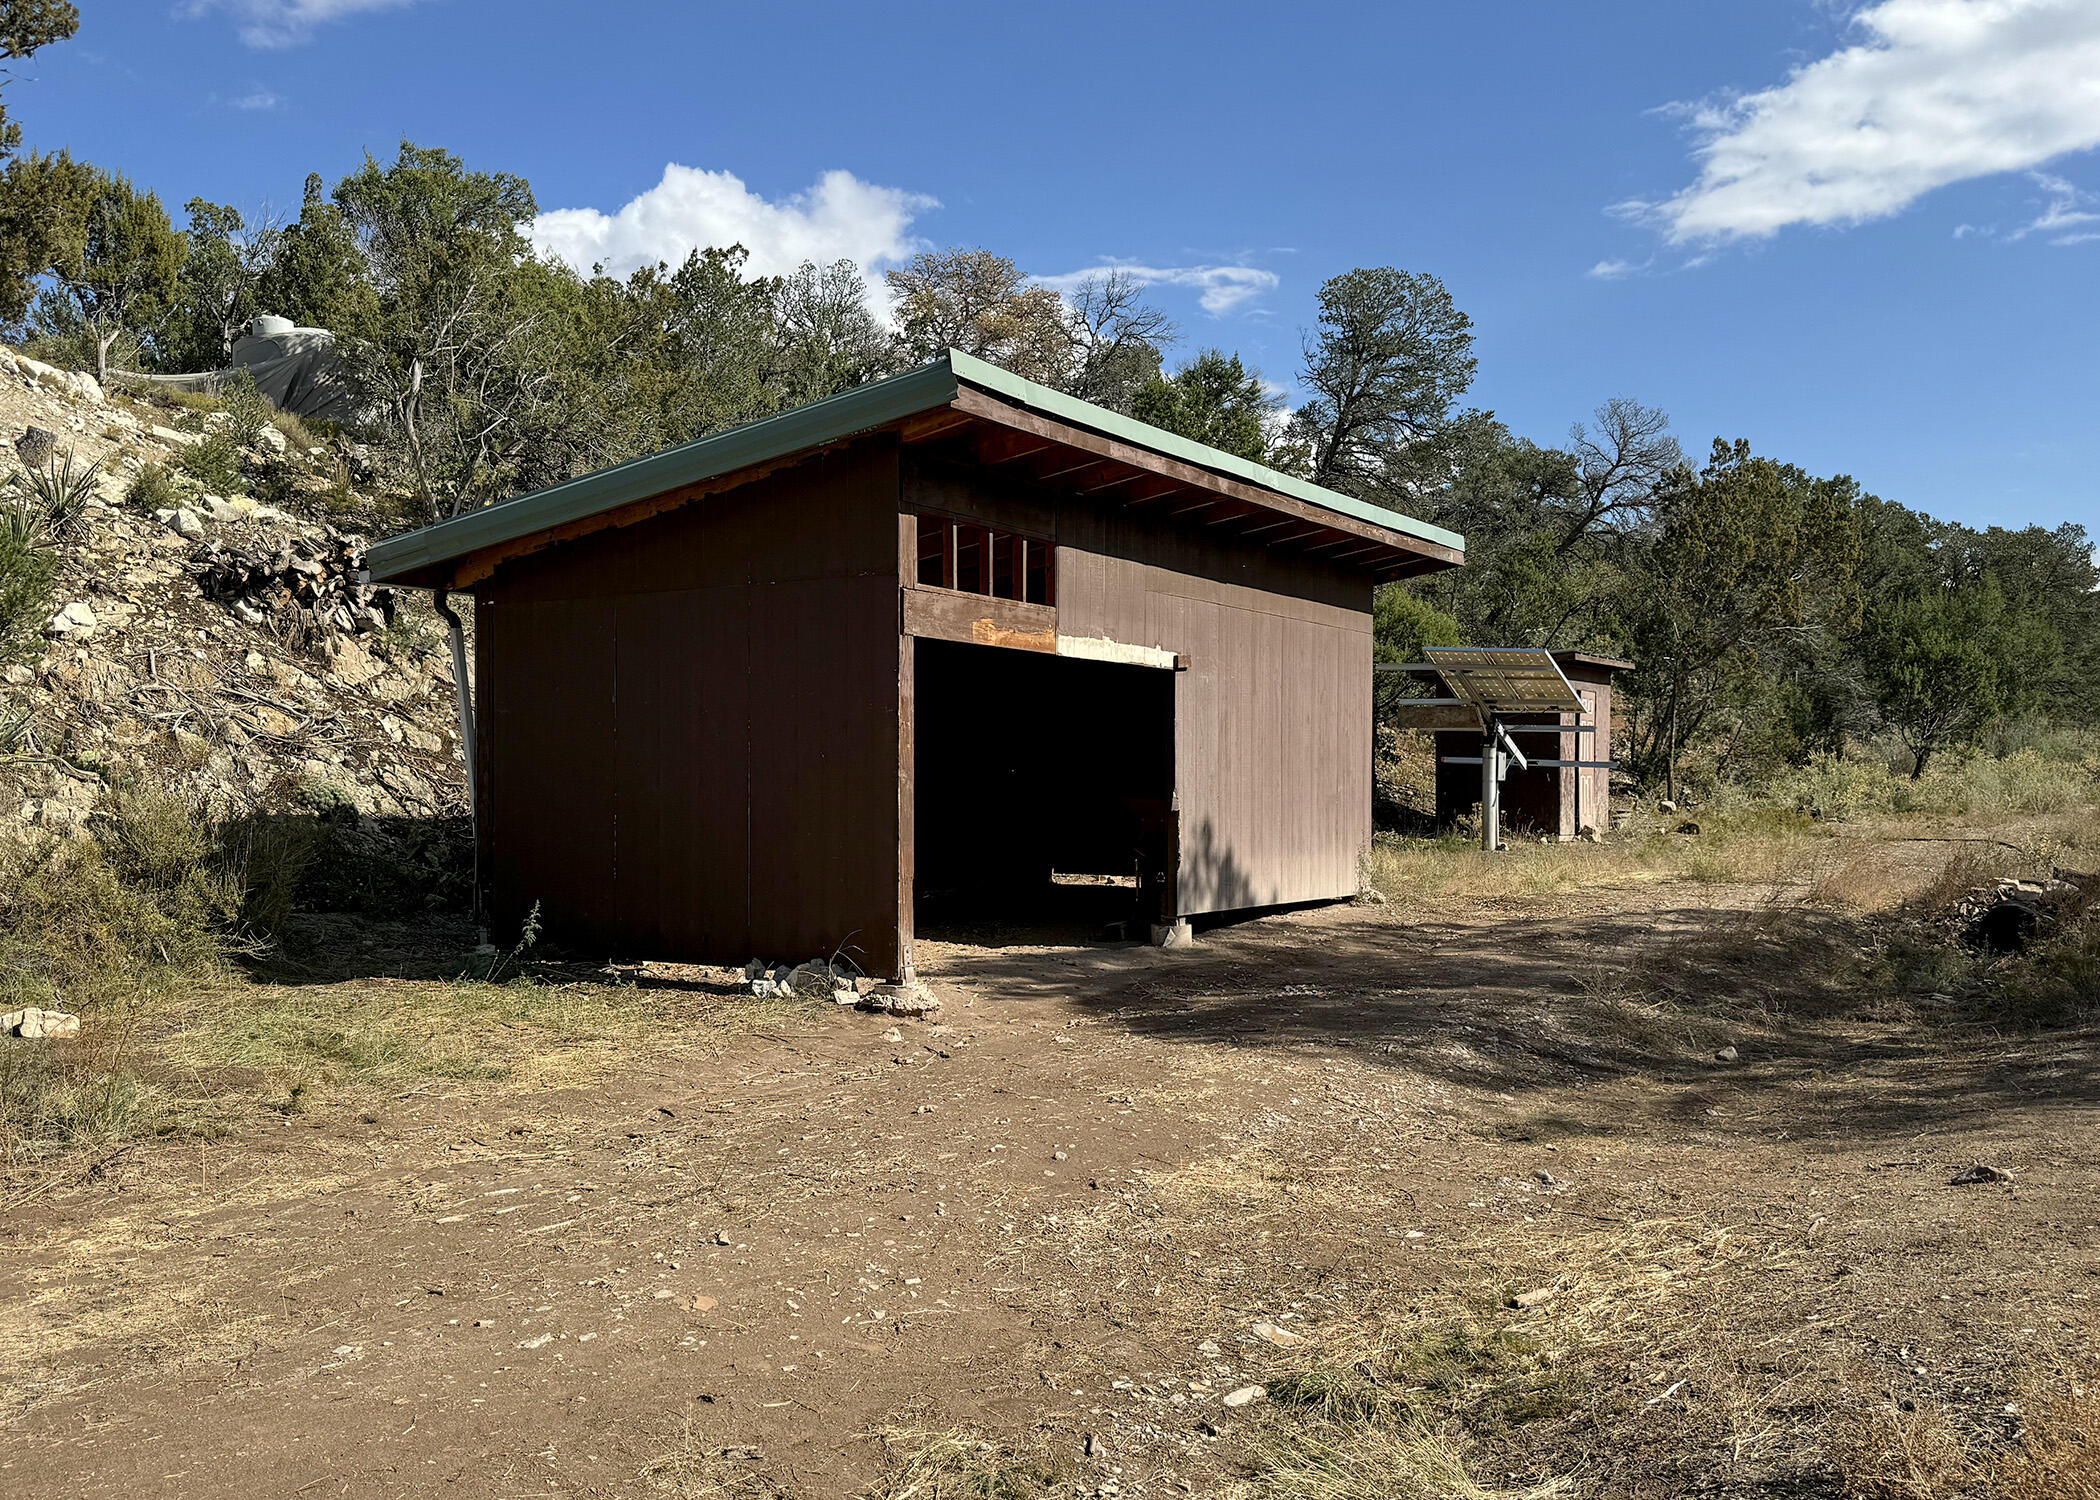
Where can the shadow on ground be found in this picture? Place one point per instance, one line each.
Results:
(1532, 1003)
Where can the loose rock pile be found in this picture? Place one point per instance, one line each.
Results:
(815, 980)
(841, 984)
(308, 584)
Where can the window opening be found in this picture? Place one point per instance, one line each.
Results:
(976, 560)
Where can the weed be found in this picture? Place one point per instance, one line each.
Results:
(1891, 1454)
(27, 570)
(528, 935)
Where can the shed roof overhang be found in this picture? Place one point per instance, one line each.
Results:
(965, 409)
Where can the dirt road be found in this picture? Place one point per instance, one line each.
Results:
(1114, 1185)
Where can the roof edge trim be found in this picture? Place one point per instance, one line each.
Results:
(1070, 409)
(587, 495)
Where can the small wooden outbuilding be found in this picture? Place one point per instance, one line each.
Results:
(950, 636)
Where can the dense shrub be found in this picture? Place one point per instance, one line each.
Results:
(152, 489)
(215, 463)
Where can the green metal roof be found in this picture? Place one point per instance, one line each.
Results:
(925, 389)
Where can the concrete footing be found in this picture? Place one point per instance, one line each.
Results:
(1173, 935)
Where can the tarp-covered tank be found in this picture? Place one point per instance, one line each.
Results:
(297, 368)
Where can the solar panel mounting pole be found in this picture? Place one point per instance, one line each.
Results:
(1490, 786)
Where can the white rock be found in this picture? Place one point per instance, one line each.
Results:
(1246, 1395)
(175, 437)
(76, 618)
(239, 508)
(271, 440)
(183, 522)
(34, 1024)
(913, 999)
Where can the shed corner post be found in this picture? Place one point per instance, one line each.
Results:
(907, 747)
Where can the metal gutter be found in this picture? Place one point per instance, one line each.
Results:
(924, 389)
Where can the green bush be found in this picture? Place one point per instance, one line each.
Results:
(152, 489)
(248, 410)
(84, 924)
(215, 463)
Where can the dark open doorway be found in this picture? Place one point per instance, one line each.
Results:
(1044, 790)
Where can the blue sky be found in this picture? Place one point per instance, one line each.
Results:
(1865, 237)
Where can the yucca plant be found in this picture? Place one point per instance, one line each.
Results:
(51, 501)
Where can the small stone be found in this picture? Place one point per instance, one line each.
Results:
(1545, 1176)
(1281, 1337)
(1726, 1054)
(1246, 1395)
(1094, 1447)
(1979, 1173)
(77, 619)
(721, 1236)
(1532, 1298)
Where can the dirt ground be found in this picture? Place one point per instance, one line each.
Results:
(1113, 1185)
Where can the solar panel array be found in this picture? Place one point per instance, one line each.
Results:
(1505, 679)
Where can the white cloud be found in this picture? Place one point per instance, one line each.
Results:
(1613, 270)
(260, 99)
(2063, 218)
(1224, 288)
(285, 23)
(1935, 92)
(840, 218)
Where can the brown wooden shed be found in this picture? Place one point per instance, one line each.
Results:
(948, 634)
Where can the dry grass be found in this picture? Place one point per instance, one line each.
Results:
(304, 1045)
(1367, 1461)
(698, 1470)
(953, 1463)
(1891, 1454)
(1761, 850)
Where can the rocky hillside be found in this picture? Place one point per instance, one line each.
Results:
(209, 642)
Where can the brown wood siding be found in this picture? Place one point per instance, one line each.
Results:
(692, 724)
(1273, 714)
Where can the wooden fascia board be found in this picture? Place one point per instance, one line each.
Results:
(475, 567)
(997, 412)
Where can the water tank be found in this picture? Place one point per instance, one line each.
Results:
(269, 326)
